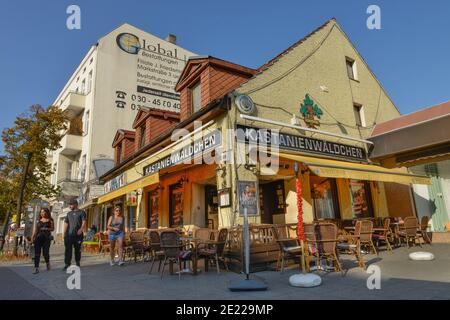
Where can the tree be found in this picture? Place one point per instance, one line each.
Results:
(24, 166)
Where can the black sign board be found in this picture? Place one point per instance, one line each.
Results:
(299, 143)
(188, 153)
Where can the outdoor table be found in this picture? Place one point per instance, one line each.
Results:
(187, 241)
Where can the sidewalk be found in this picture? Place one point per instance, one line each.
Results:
(401, 279)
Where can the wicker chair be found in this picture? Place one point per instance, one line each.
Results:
(172, 248)
(384, 235)
(423, 233)
(203, 234)
(352, 243)
(215, 250)
(289, 247)
(155, 249)
(137, 243)
(105, 246)
(410, 231)
(326, 241)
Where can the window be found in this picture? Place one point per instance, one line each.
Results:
(83, 86)
(351, 68)
(359, 115)
(69, 170)
(142, 137)
(119, 153)
(325, 199)
(361, 199)
(86, 123)
(196, 97)
(83, 168)
(89, 84)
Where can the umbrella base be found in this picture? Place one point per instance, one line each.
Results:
(247, 285)
(305, 280)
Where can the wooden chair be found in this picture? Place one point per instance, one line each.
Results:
(326, 242)
(93, 245)
(423, 231)
(384, 235)
(215, 250)
(352, 243)
(137, 243)
(171, 246)
(410, 231)
(289, 247)
(155, 249)
(105, 246)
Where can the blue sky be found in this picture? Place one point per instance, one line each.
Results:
(409, 55)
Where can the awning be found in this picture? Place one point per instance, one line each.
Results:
(140, 183)
(89, 203)
(349, 170)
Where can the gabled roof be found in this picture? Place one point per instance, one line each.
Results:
(144, 113)
(122, 134)
(196, 65)
(413, 118)
(284, 52)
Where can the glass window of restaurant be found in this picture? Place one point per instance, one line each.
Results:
(361, 199)
(325, 198)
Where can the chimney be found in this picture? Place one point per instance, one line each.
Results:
(171, 38)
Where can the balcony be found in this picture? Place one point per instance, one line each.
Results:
(73, 104)
(71, 144)
(70, 187)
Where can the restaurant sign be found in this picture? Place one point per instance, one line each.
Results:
(299, 143)
(115, 183)
(188, 153)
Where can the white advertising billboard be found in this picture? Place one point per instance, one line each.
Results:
(142, 69)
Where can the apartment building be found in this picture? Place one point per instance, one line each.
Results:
(123, 71)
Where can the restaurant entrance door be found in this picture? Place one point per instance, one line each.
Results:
(272, 200)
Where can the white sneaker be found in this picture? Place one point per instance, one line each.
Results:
(120, 263)
(112, 262)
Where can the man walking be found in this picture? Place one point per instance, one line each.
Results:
(74, 225)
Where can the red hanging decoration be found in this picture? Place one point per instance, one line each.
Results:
(300, 227)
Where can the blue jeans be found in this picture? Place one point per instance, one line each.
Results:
(116, 236)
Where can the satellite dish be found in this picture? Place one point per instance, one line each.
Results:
(245, 104)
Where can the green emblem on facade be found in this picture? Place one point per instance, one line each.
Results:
(310, 112)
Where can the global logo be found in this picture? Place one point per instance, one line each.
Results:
(129, 43)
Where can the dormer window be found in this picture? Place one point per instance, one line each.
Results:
(142, 136)
(196, 97)
(119, 153)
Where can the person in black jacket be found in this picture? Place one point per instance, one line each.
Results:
(74, 226)
(42, 238)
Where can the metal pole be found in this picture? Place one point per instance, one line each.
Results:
(246, 244)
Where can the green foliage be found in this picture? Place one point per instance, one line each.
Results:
(35, 133)
(309, 103)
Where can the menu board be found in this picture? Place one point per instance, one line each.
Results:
(177, 207)
(360, 203)
(154, 212)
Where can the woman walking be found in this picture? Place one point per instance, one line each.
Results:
(116, 234)
(42, 237)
